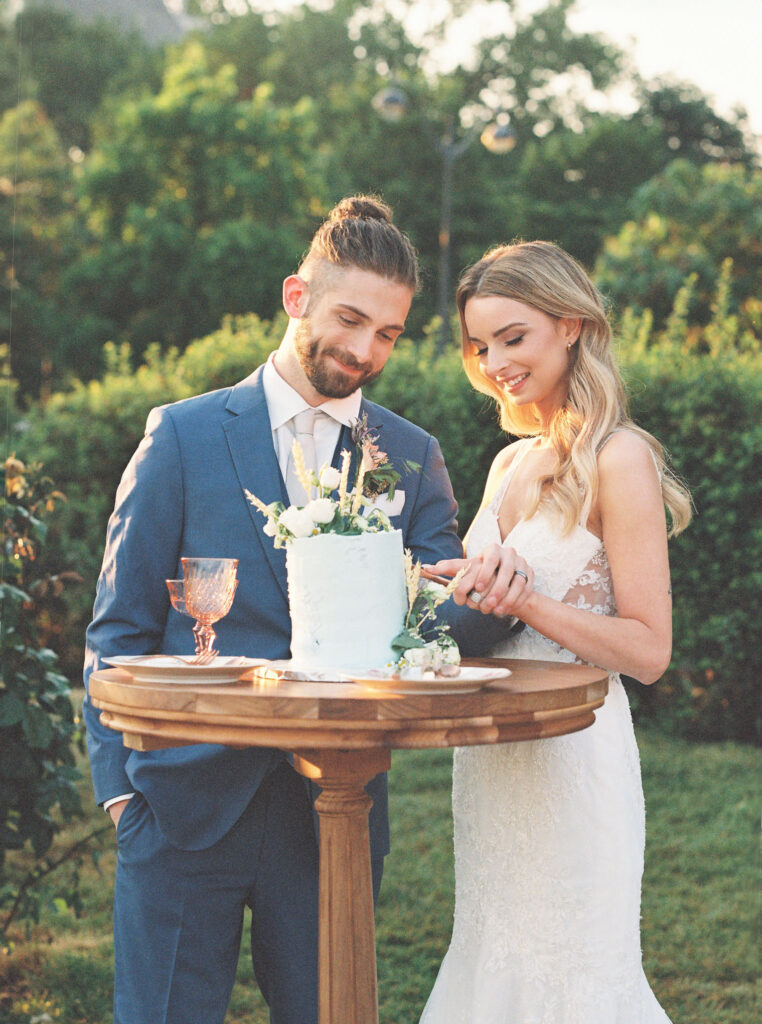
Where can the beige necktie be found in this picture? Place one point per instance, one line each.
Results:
(303, 427)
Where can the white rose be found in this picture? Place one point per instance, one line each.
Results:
(330, 478)
(322, 510)
(297, 521)
(416, 657)
(269, 529)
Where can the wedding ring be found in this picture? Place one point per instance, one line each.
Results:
(474, 596)
(520, 572)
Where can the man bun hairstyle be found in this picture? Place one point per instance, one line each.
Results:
(359, 233)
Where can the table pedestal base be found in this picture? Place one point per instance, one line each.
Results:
(347, 943)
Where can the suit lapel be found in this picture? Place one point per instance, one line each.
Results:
(249, 438)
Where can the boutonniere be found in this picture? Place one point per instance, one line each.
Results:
(377, 474)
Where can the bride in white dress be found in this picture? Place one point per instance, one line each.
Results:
(549, 834)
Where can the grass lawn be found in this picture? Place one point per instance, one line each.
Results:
(701, 900)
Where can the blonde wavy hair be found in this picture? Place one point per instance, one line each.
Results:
(541, 275)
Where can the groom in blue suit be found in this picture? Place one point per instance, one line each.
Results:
(204, 830)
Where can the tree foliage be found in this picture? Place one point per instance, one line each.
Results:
(198, 203)
(37, 727)
(689, 220)
(208, 164)
(691, 129)
(38, 229)
(69, 67)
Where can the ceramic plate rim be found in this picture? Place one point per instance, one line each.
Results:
(470, 680)
(154, 671)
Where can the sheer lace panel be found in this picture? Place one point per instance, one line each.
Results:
(593, 590)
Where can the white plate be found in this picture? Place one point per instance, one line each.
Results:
(157, 668)
(469, 681)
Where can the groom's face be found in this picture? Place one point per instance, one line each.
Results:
(349, 330)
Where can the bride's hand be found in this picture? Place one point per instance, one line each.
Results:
(497, 581)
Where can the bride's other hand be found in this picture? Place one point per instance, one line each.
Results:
(497, 581)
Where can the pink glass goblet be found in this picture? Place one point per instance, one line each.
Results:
(177, 597)
(210, 586)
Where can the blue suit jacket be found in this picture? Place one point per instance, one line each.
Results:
(182, 494)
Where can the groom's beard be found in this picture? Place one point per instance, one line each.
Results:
(323, 374)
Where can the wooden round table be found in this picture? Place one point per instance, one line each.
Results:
(342, 735)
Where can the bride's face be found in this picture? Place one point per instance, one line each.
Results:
(527, 353)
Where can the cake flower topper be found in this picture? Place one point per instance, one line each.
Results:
(333, 506)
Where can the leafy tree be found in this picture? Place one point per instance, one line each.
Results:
(198, 203)
(689, 220)
(69, 67)
(515, 74)
(16, 77)
(572, 170)
(692, 130)
(38, 235)
(573, 187)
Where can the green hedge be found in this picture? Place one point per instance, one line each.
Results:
(702, 400)
(708, 413)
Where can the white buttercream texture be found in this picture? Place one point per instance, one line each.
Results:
(348, 599)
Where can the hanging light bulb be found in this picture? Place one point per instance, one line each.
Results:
(390, 103)
(498, 138)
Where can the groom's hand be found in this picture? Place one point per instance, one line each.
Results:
(115, 810)
(496, 582)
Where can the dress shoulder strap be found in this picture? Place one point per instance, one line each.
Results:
(602, 444)
(608, 437)
(524, 445)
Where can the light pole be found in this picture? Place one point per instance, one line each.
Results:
(498, 137)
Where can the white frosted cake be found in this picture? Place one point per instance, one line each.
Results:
(348, 599)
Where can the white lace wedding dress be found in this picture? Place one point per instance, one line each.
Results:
(549, 837)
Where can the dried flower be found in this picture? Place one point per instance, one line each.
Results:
(303, 475)
(259, 504)
(412, 579)
(358, 491)
(378, 474)
(346, 462)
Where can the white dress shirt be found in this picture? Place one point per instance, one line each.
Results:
(283, 403)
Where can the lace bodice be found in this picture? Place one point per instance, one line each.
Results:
(572, 568)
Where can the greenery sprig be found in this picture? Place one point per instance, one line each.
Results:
(420, 646)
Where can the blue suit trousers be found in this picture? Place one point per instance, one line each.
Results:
(179, 913)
